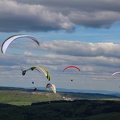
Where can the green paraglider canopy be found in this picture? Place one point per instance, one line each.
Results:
(38, 68)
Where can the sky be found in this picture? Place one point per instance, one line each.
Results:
(84, 33)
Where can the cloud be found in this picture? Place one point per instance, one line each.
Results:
(77, 48)
(20, 17)
(60, 53)
(96, 61)
(39, 15)
(27, 53)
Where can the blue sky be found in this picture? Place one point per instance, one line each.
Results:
(81, 33)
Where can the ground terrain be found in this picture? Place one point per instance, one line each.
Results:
(23, 104)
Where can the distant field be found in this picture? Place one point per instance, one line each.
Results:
(26, 97)
(19, 97)
(20, 104)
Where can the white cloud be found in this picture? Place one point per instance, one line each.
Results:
(61, 53)
(30, 17)
(57, 15)
(95, 66)
(76, 48)
(27, 53)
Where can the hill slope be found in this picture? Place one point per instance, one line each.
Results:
(20, 96)
(63, 110)
(24, 104)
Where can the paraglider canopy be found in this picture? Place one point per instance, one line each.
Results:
(115, 73)
(38, 68)
(52, 86)
(74, 67)
(71, 67)
(9, 40)
(43, 69)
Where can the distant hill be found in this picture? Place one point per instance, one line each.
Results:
(26, 104)
(63, 110)
(26, 96)
(65, 90)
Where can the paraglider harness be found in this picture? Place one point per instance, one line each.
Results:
(23, 72)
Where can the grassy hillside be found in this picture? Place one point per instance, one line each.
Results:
(20, 97)
(20, 104)
(26, 97)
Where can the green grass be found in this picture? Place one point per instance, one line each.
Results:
(31, 105)
(20, 103)
(24, 97)
(17, 97)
